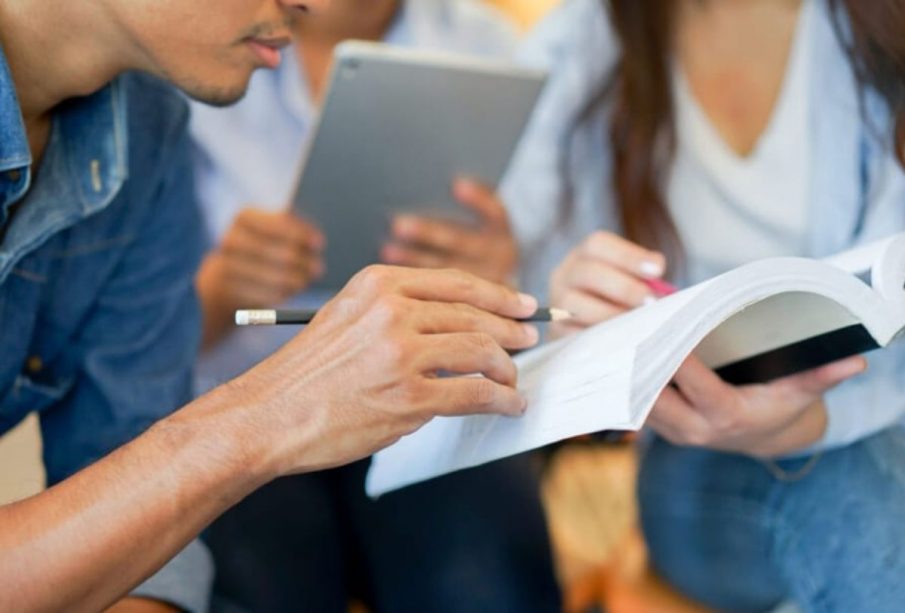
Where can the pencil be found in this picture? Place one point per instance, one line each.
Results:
(660, 287)
(301, 317)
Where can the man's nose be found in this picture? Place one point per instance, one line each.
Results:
(305, 5)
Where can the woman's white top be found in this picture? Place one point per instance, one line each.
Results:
(731, 209)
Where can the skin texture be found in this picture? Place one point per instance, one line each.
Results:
(602, 278)
(700, 410)
(734, 55)
(362, 375)
(359, 377)
(245, 272)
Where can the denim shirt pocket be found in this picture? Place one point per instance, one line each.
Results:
(28, 395)
(39, 377)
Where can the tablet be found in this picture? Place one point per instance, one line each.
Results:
(397, 127)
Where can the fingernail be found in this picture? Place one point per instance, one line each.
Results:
(524, 405)
(389, 254)
(405, 224)
(649, 300)
(462, 183)
(651, 269)
(532, 333)
(528, 301)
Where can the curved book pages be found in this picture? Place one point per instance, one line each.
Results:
(761, 321)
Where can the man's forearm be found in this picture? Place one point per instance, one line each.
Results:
(361, 376)
(87, 541)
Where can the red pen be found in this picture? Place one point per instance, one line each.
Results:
(660, 287)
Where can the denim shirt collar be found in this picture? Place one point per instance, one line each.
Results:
(93, 131)
(15, 156)
(84, 166)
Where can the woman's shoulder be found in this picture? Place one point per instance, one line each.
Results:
(577, 45)
(576, 31)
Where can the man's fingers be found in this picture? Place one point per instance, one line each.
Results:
(283, 227)
(453, 286)
(453, 318)
(284, 281)
(405, 255)
(482, 200)
(249, 293)
(431, 234)
(474, 396)
(240, 242)
(468, 353)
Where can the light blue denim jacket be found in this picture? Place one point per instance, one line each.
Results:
(558, 188)
(99, 324)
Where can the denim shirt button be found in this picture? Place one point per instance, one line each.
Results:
(14, 175)
(34, 364)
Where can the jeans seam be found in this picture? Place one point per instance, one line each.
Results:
(785, 534)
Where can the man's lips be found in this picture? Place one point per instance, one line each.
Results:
(268, 49)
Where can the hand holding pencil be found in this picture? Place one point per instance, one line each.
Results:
(603, 277)
(364, 372)
(303, 317)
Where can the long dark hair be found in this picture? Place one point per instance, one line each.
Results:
(642, 130)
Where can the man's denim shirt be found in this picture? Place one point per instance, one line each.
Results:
(99, 323)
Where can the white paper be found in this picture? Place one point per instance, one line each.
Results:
(572, 388)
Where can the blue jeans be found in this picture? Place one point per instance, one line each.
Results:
(475, 540)
(731, 533)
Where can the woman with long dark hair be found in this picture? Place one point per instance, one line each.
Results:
(688, 137)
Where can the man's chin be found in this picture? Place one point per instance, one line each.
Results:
(215, 95)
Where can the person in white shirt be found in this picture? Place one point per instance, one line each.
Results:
(697, 136)
(311, 542)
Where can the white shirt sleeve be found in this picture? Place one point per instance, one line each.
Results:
(578, 48)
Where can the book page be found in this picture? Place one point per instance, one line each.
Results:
(859, 260)
(575, 386)
(753, 331)
(569, 393)
(888, 277)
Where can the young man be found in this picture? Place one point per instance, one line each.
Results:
(99, 323)
(271, 551)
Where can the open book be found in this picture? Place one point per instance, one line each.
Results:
(758, 322)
